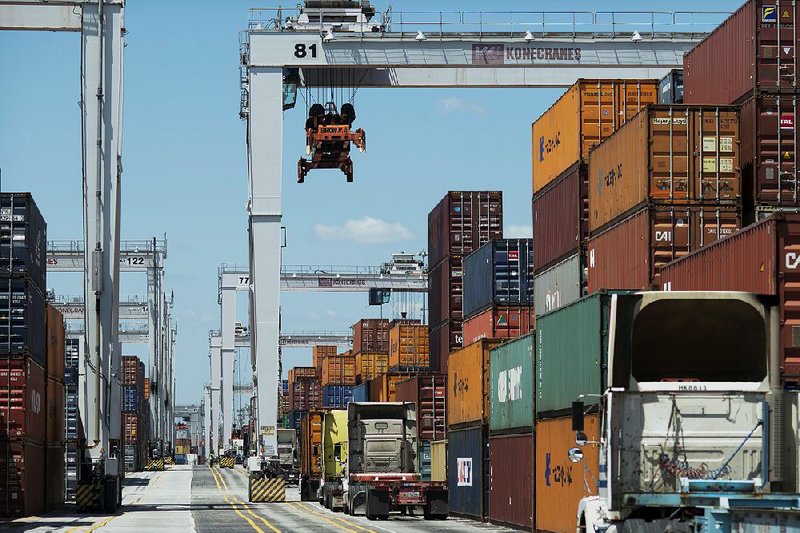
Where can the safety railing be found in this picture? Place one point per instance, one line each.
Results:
(135, 246)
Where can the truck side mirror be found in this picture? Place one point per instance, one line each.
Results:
(575, 455)
(577, 416)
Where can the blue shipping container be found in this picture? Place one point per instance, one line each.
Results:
(361, 392)
(468, 470)
(23, 238)
(337, 396)
(498, 273)
(425, 460)
(130, 398)
(285, 385)
(294, 419)
(22, 319)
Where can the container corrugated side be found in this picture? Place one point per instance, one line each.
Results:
(429, 393)
(23, 238)
(55, 343)
(499, 273)
(22, 319)
(439, 460)
(310, 444)
(444, 339)
(468, 383)
(55, 412)
(409, 347)
(560, 285)
(371, 365)
(361, 392)
(22, 477)
(55, 478)
(371, 335)
(511, 381)
(511, 488)
(499, 322)
(23, 396)
(467, 471)
(339, 370)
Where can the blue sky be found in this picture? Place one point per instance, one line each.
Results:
(185, 169)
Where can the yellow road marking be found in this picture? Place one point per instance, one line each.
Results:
(244, 505)
(335, 517)
(322, 516)
(101, 524)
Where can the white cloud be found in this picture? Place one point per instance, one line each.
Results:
(366, 230)
(449, 105)
(518, 232)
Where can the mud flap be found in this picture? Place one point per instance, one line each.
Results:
(378, 504)
(438, 504)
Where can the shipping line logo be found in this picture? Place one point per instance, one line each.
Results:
(547, 146)
(339, 282)
(500, 53)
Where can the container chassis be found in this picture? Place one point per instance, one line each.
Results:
(380, 494)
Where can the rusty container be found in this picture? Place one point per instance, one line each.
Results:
(589, 112)
(23, 397)
(650, 239)
(444, 339)
(384, 387)
(560, 218)
(339, 370)
(753, 50)
(55, 412)
(54, 478)
(560, 483)
(429, 393)
(500, 322)
(511, 480)
(462, 222)
(56, 343)
(666, 155)
(22, 477)
(468, 384)
(409, 348)
(318, 352)
(371, 365)
(764, 259)
(371, 335)
(446, 290)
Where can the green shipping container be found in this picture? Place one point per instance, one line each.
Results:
(571, 354)
(511, 385)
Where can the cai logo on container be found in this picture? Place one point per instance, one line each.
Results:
(488, 53)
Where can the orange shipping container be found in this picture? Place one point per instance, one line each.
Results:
(371, 365)
(559, 482)
(409, 347)
(668, 155)
(383, 387)
(339, 370)
(320, 351)
(302, 372)
(55, 343)
(590, 111)
(146, 389)
(468, 383)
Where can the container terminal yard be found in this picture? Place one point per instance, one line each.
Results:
(611, 345)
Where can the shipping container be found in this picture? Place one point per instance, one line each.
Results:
(371, 335)
(132, 428)
(429, 393)
(511, 386)
(23, 395)
(55, 412)
(319, 351)
(311, 433)
(445, 338)
(511, 463)
(295, 417)
(571, 354)
(650, 239)
(22, 319)
(560, 218)
(146, 389)
(131, 399)
(670, 88)
(383, 387)
(22, 477)
(590, 111)
(762, 259)
(752, 50)
(54, 482)
(439, 460)
(463, 221)
(56, 343)
(498, 273)
(361, 392)
(560, 285)
(668, 155)
(468, 384)
(446, 290)
(305, 394)
(23, 238)
(467, 471)
(424, 461)
(300, 372)
(339, 370)
(409, 348)
(337, 396)
(133, 371)
(560, 483)
(499, 322)
(371, 365)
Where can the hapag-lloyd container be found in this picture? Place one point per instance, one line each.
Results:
(499, 273)
(429, 393)
(559, 285)
(560, 483)
(23, 238)
(444, 339)
(511, 386)
(764, 259)
(590, 111)
(666, 155)
(339, 369)
(22, 477)
(560, 218)
(630, 254)
(463, 221)
(23, 397)
(370, 365)
(371, 335)
(468, 471)
(499, 322)
(511, 463)
(22, 319)
(754, 49)
(55, 343)
(409, 347)
(468, 384)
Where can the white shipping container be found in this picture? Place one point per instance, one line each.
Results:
(559, 285)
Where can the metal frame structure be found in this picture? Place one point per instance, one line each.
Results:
(463, 50)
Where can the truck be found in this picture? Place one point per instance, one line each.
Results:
(382, 472)
(310, 454)
(287, 455)
(696, 433)
(333, 459)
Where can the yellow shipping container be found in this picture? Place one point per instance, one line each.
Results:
(589, 112)
(339, 370)
(383, 387)
(439, 460)
(319, 352)
(371, 365)
(468, 383)
(409, 346)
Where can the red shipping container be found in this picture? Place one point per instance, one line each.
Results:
(511, 480)
(629, 254)
(560, 218)
(371, 335)
(429, 393)
(764, 259)
(499, 322)
(22, 477)
(445, 338)
(300, 372)
(23, 396)
(754, 49)
(446, 290)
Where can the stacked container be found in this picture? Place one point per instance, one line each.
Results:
(305, 393)
(24, 420)
(134, 414)
(498, 290)
(428, 393)
(72, 356)
(338, 380)
(370, 348)
(460, 224)
(319, 352)
(409, 348)
(55, 459)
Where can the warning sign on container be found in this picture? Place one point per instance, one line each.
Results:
(464, 471)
